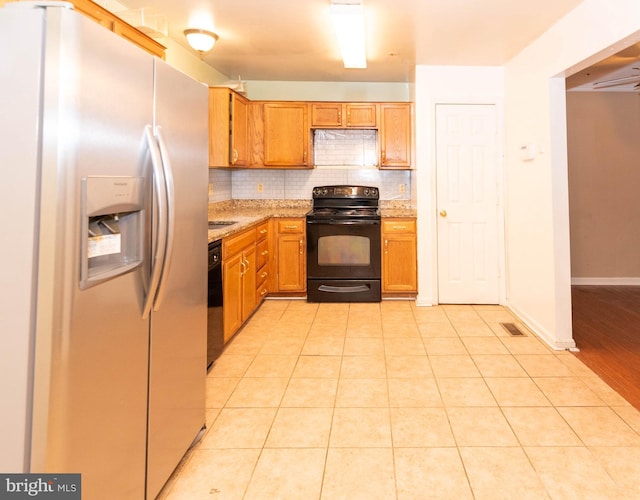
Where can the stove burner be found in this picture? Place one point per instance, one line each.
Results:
(344, 212)
(344, 202)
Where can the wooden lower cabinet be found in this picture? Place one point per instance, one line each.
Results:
(263, 254)
(238, 280)
(399, 256)
(291, 256)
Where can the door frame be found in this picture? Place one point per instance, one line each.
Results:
(500, 192)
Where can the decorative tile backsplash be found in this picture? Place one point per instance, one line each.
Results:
(272, 184)
(343, 147)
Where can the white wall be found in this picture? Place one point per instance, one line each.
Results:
(537, 220)
(434, 85)
(603, 130)
(328, 91)
(188, 62)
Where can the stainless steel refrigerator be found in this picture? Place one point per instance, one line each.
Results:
(103, 261)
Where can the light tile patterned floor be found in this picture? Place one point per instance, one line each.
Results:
(368, 401)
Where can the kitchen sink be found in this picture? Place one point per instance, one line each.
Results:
(220, 224)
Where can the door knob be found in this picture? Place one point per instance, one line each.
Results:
(443, 213)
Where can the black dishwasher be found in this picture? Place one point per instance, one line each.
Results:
(215, 336)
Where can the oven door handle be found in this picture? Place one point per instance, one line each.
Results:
(345, 222)
(343, 289)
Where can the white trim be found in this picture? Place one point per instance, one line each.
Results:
(424, 301)
(548, 337)
(606, 281)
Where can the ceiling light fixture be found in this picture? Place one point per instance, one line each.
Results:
(201, 40)
(348, 21)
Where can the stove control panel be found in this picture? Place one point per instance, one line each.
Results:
(346, 192)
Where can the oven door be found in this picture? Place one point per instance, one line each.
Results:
(343, 249)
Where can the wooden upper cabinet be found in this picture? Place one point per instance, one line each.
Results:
(228, 128)
(340, 115)
(326, 114)
(286, 134)
(395, 135)
(239, 148)
(361, 115)
(113, 23)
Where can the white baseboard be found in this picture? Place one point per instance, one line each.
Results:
(540, 331)
(606, 281)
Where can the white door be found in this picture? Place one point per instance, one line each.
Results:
(467, 204)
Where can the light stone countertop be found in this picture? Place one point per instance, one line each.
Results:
(250, 212)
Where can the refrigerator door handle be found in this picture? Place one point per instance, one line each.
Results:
(171, 216)
(159, 189)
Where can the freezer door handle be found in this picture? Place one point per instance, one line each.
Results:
(171, 216)
(159, 190)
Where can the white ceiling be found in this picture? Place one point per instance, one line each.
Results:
(293, 39)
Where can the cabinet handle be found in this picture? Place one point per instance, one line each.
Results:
(301, 247)
(248, 263)
(386, 246)
(339, 116)
(304, 157)
(291, 227)
(263, 292)
(244, 268)
(263, 275)
(263, 231)
(399, 227)
(266, 252)
(383, 155)
(235, 156)
(348, 118)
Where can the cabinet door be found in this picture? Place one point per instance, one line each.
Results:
(399, 263)
(291, 263)
(286, 134)
(219, 113)
(232, 269)
(395, 135)
(326, 114)
(399, 255)
(361, 115)
(239, 149)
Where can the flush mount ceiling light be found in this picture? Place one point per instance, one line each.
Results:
(201, 40)
(348, 21)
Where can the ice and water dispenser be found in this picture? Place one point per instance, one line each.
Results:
(112, 227)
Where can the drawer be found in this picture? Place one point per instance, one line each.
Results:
(291, 225)
(263, 253)
(261, 276)
(261, 292)
(262, 231)
(234, 244)
(398, 226)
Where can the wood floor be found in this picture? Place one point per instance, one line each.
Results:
(606, 328)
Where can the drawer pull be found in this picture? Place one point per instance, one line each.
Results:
(263, 231)
(263, 275)
(263, 292)
(266, 252)
(399, 227)
(301, 247)
(291, 227)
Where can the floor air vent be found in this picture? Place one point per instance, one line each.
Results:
(513, 330)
